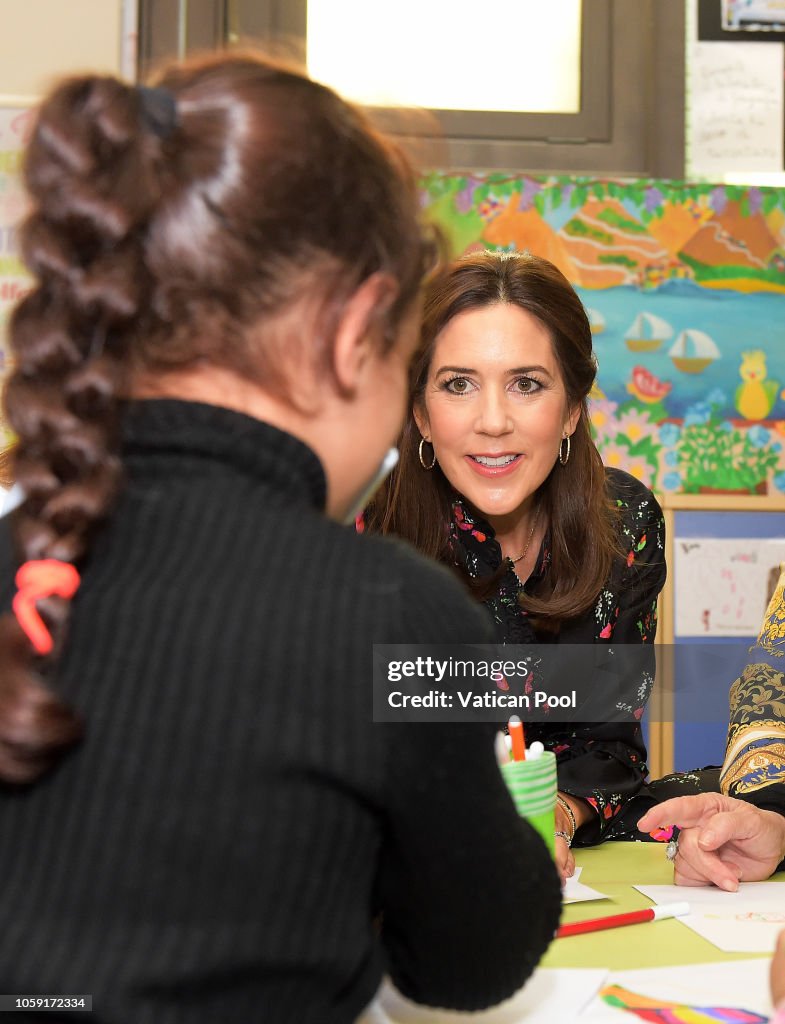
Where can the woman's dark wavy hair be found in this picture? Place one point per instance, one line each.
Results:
(417, 504)
(156, 247)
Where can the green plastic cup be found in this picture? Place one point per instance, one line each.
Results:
(532, 785)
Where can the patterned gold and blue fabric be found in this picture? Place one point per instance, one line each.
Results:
(754, 766)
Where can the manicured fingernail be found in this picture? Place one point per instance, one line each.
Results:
(729, 885)
(706, 838)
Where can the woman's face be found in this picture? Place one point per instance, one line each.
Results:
(495, 407)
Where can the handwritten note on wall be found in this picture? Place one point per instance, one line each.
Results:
(723, 586)
(735, 108)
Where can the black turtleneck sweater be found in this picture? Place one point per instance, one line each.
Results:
(223, 841)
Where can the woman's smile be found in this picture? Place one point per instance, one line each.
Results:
(495, 465)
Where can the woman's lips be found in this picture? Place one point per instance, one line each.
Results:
(494, 470)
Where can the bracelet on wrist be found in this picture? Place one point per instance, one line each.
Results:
(570, 814)
(564, 836)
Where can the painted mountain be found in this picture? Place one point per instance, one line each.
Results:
(609, 246)
(607, 233)
(526, 229)
(731, 246)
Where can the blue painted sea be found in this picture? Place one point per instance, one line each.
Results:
(735, 321)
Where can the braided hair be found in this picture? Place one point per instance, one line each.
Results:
(167, 224)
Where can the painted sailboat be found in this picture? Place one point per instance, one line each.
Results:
(647, 332)
(596, 320)
(693, 351)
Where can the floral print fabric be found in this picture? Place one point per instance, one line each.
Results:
(602, 762)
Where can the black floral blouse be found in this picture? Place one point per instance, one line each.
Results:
(604, 762)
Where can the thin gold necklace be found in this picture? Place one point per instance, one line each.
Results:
(525, 551)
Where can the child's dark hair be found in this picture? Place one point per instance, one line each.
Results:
(166, 224)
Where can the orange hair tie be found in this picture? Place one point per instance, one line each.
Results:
(35, 580)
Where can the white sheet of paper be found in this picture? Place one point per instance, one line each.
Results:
(549, 995)
(735, 108)
(723, 585)
(737, 984)
(747, 921)
(576, 892)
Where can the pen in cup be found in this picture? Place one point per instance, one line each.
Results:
(515, 727)
(502, 746)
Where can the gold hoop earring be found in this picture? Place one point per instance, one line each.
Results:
(564, 457)
(423, 463)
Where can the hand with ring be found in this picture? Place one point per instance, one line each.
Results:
(721, 840)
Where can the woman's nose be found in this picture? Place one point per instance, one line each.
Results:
(494, 417)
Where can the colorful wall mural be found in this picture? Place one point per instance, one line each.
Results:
(685, 290)
(15, 124)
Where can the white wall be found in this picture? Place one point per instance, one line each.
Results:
(43, 39)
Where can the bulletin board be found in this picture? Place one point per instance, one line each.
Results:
(723, 557)
(756, 21)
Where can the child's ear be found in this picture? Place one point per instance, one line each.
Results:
(356, 337)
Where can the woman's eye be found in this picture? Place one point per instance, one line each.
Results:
(457, 386)
(526, 385)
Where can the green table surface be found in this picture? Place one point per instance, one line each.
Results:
(613, 869)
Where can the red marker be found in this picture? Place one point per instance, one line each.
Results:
(515, 726)
(597, 924)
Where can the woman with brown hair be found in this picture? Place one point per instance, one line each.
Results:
(500, 478)
(200, 820)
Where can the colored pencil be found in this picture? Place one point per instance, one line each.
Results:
(597, 924)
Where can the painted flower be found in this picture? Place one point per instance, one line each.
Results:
(669, 434)
(615, 456)
(779, 481)
(636, 425)
(640, 469)
(758, 436)
(601, 415)
(672, 458)
(672, 482)
(653, 199)
(529, 190)
(698, 413)
(718, 199)
(464, 200)
(716, 397)
(489, 208)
